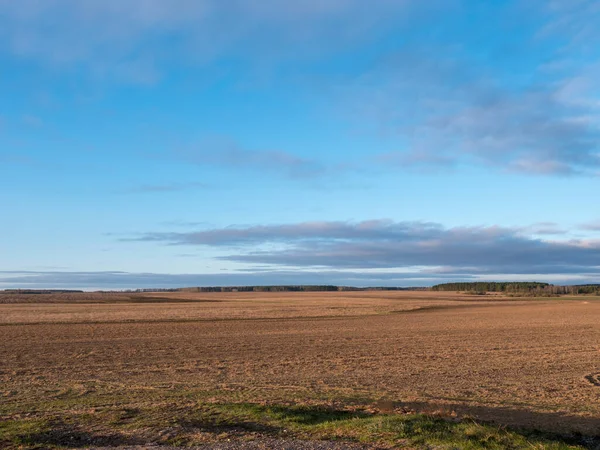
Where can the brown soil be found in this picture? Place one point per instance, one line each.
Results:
(530, 363)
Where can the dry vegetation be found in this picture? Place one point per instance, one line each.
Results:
(186, 368)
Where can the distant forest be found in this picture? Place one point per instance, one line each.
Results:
(519, 288)
(298, 288)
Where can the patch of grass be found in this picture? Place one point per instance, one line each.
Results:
(424, 431)
(417, 430)
(18, 433)
(180, 416)
(192, 423)
(56, 433)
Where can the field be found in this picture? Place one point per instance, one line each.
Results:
(377, 368)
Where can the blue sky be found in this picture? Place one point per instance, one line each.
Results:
(153, 143)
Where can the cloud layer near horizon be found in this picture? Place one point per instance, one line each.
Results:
(368, 253)
(383, 244)
(113, 280)
(126, 280)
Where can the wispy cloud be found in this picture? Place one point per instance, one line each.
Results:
(528, 105)
(574, 21)
(169, 187)
(14, 158)
(545, 128)
(226, 153)
(544, 228)
(32, 121)
(446, 107)
(131, 40)
(591, 226)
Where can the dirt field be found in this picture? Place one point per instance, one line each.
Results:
(532, 363)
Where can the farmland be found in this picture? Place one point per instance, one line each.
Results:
(189, 368)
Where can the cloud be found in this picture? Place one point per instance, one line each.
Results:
(575, 21)
(544, 228)
(116, 280)
(528, 103)
(449, 98)
(223, 152)
(383, 244)
(306, 231)
(132, 40)
(170, 187)
(591, 226)
(417, 158)
(32, 121)
(451, 118)
(17, 159)
(184, 223)
(126, 280)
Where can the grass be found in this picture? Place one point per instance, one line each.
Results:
(418, 430)
(196, 423)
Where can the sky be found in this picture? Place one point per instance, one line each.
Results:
(155, 143)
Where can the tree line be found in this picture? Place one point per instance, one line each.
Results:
(519, 288)
(260, 288)
(290, 288)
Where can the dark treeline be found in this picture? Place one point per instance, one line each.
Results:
(519, 288)
(297, 288)
(490, 286)
(586, 288)
(154, 290)
(261, 288)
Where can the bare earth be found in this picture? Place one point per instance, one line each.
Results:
(525, 362)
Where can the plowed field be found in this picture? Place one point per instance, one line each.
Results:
(521, 362)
